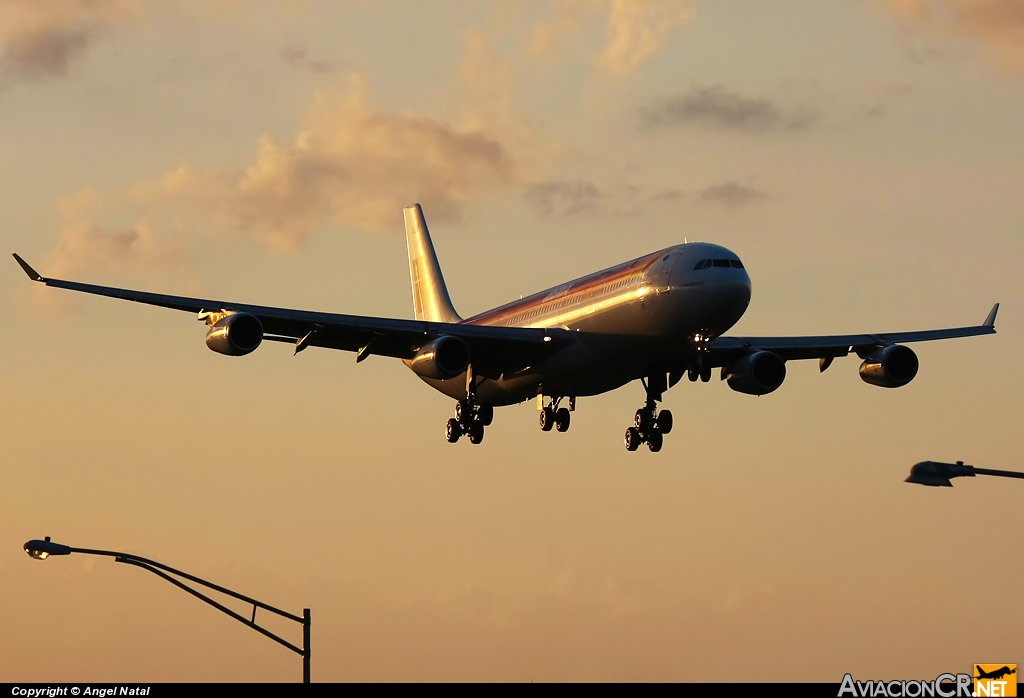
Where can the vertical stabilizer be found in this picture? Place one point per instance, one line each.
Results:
(429, 295)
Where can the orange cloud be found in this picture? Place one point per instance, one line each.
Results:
(997, 24)
(86, 245)
(546, 36)
(635, 29)
(351, 163)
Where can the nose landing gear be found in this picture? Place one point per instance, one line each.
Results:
(701, 366)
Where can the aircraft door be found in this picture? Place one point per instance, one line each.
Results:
(681, 268)
(664, 273)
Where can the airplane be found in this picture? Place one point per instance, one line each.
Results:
(996, 674)
(654, 319)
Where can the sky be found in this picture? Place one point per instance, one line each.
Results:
(864, 158)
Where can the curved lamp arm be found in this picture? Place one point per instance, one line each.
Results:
(42, 549)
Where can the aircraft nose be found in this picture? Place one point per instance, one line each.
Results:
(747, 288)
(736, 296)
(739, 290)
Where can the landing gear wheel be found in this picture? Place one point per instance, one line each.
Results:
(463, 411)
(693, 373)
(642, 420)
(654, 441)
(705, 374)
(476, 432)
(632, 439)
(452, 430)
(562, 419)
(664, 421)
(485, 414)
(547, 419)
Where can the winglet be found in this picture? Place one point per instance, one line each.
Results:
(32, 273)
(990, 321)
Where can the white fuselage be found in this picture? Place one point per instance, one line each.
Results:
(629, 317)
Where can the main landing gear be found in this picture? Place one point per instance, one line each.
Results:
(650, 425)
(470, 420)
(554, 416)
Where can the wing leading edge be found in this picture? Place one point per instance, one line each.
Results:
(830, 346)
(496, 350)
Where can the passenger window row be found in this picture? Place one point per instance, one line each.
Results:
(705, 263)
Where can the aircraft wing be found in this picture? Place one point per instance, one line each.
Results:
(726, 349)
(495, 350)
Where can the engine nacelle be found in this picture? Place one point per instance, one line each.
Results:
(441, 358)
(758, 373)
(237, 334)
(890, 367)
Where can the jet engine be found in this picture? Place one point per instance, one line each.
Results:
(890, 367)
(235, 335)
(758, 373)
(441, 358)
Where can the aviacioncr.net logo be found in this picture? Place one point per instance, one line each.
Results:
(943, 686)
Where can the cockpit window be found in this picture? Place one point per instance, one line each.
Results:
(721, 262)
(736, 264)
(699, 265)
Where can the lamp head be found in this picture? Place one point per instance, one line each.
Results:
(42, 549)
(936, 474)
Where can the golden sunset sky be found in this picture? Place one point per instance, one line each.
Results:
(864, 158)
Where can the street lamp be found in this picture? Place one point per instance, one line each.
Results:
(42, 549)
(936, 474)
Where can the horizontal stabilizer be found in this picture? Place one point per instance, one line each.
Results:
(32, 273)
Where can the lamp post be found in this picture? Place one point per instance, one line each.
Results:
(936, 474)
(42, 549)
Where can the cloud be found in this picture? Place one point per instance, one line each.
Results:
(565, 198)
(717, 107)
(578, 197)
(731, 195)
(889, 89)
(90, 246)
(86, 245)
(546, 36)
(883, 95)
(998, 25)
(635, 30)
(351, 164)
(298, 57)
(41, 39)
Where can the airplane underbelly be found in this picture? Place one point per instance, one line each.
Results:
(591, 366)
